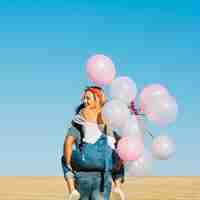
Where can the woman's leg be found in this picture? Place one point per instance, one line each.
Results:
(118, 180)
(118, 175)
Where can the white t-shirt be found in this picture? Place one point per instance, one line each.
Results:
(92, 134)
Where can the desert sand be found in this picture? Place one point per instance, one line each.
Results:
(146, 188)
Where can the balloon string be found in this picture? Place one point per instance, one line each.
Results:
(150, 133)
(146, 130)
(142, 114)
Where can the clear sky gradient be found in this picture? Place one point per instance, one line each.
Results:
(44, 46)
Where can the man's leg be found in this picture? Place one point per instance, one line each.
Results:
(83, 184)
(118, 179)
(97, 194)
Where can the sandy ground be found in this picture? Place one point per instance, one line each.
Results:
(148, 188)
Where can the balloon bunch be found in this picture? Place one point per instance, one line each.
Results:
(121, 114)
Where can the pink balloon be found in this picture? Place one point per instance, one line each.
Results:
(130, 148)
(149, 92)
(100, 69)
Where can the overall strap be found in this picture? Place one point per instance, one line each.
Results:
(103, 173)
(106, 130)
(81, 131)
(106, 149)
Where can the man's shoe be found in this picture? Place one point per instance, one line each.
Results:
(118, 194)
(74, 195)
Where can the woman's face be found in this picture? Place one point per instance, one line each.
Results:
(90, 100)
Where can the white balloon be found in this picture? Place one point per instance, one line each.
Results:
(123, 89)
(151, 91)
(163, 147)
(115, 113)
(131, 127)
(162, 110)
(140, 167)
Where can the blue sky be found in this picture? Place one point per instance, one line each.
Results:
(44, 46)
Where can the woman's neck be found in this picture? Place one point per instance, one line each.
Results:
(91, 115)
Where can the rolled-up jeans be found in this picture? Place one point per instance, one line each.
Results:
(89, 184)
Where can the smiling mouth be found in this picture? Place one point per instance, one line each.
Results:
(86, 103)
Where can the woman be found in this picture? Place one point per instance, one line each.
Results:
(87, 127)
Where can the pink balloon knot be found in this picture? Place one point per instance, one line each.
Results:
(133, 108)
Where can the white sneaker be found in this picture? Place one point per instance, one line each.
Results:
(118, 194)
(74, 195)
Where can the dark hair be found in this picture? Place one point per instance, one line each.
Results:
(79, 108)
(95, 87)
